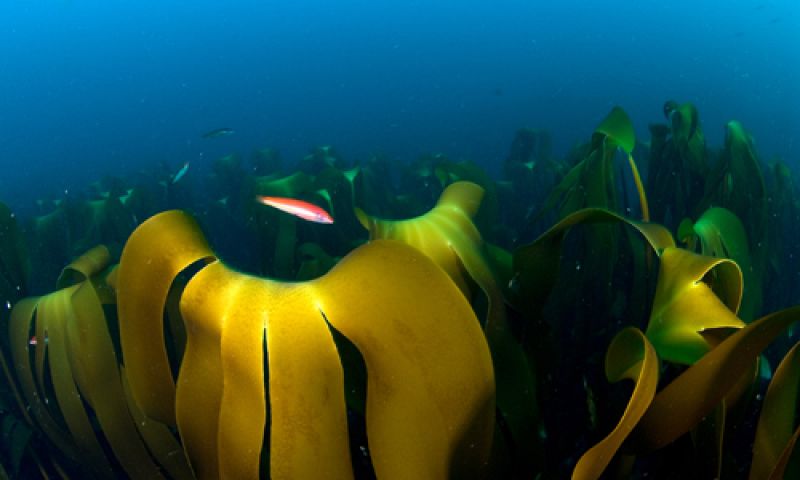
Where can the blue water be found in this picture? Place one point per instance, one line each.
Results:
(90, 87)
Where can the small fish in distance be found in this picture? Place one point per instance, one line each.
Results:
(299, 208)
(180, 173)
(219, 132)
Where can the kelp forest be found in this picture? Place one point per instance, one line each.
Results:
(627, 311)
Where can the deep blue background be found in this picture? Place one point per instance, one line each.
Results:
(94, 87)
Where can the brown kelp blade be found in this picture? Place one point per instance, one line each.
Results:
(74, 358)
(630, 356)
(696, 392)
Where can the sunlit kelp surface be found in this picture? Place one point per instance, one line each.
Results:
(572, 317)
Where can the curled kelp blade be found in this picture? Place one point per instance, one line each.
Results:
(630, 356)
(20, 324)
(51, 382)
(446, 235)
(431, 386)
(775, 434)
(157, 251)
(535, 266)
(722, 235)
(696, 392)
(441, 233)
(425, 333)
(685, 305)
(74, 359)
(92, 351)
(617, 128)
(590, 183)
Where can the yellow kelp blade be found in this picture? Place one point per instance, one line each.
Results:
(52, 316)
(697, 391)
(436, 382)
(74, 351)
(629, 356)
(778, 415)
(22, 316)
(165, 244)
(685, 305)
(159, 438)
(637, 180)
(93, 352)
(447, 235)
(436, 422)
(221, 404)
(442, 233)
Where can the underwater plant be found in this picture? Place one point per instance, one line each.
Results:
(630, 337)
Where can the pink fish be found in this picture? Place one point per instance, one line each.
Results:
(298, 208)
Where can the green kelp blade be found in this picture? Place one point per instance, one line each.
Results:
(686, 234)
(286, 186)
(694, 293)
(778, 416)
(562, 190)
(630, 356)
(688, 135)
(535, 266)
(515, 372)
(696, 392)
(618, 128)
(723, 235)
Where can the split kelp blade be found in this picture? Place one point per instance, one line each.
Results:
(430, 381)
(74, 382)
